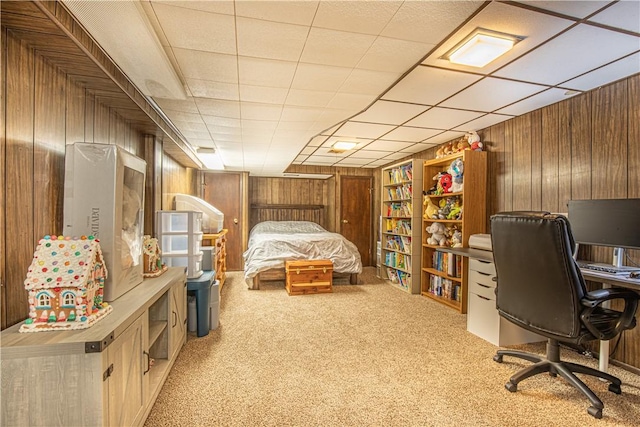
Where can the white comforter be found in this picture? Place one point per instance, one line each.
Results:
(273, 242)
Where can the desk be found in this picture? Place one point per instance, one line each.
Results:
(606, 279)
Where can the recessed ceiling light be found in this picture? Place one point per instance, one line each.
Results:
(481, 47)
(211, 158)
(341, 146)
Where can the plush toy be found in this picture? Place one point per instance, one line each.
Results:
(448, 148)
(437, 237)
(449, 208)
(455, 170)
(462, 145)
(440, 152)
(444, 183)
(456, 239)
(430, 208)
(474, 141)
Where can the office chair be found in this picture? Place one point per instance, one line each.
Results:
(540, 288)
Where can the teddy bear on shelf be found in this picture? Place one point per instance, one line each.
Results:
(474, 141)
(455, 170)
(438, 236)
(456, 239)
(462, 144)
(430, 208)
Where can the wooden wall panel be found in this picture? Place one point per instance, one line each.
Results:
(580, 147)
(633, 142)
(176, 179)
(3, 174)
(520, 134)
(549, 160)
(536, 160)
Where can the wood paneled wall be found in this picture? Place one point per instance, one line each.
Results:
(177, 179)
(43, 110)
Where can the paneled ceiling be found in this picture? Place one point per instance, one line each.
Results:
(274, 83)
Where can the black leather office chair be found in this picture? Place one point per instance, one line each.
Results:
(540, 288)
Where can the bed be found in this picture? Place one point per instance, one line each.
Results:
(273, 242)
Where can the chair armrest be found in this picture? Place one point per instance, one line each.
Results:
(611, 322)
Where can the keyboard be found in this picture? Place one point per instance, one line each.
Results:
(606, 268)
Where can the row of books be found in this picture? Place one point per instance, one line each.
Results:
(397, 260)
(399, 243)
(400, 278)
(444, 288)
(447, 263)
(400, 174)
(398, 226)
(400, 209)
(404, 191)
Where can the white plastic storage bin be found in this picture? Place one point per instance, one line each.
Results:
(178, 222)
(193, 263)
(187, 244)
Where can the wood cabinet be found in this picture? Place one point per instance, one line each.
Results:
(108, 374)
(444, 275)
(401, 226)
(219, 242)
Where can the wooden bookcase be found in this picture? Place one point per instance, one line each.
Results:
(401, 224)
(449, 285)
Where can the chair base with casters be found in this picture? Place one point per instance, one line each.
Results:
(567, 370)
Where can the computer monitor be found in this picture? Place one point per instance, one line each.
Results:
(606, 222)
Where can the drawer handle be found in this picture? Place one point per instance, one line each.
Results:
(484, 286)
(484, 262)
(484, 274)
(484, 298)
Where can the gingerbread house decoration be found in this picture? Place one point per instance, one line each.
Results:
(65, 284)
(151, 256)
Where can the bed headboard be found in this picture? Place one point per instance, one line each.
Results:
(280, 212)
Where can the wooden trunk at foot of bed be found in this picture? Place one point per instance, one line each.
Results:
(278, 274)
(309, 276)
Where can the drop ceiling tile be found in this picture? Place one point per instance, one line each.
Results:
(331, 130)
(258, 111)
(416, 148)
(534, 102)
(299, 126)
(308, 150)
(299, 159)
(189, 126)
(320, 160)
(183, 28)
(264, 94)
(326, 151)
(265, 72)
(443, 118)
(353, 162)
(330, 117)
(188, 105)
(506, 18)
(411, 134)
(218, 6)
(292, 134)
(429, 86)
(338, 48)
(383, 145)
(227, 138)
(571, 49)
(259, 140)
(259, 124)
(300, 114)
(292, 12)
(395, 156)
(623, 14)
(201, 142)
(272, 40)
(218, 107)
(483, 122)
(319, 77)
(369, 154)
(609, 73)
(222, 121)
(209, 89)
(194, 134)
(350, 101)
(369, 82)
(444, 137)
(490, 94)
(393, 55)
(207, 65)
(389, 112)
(255, 132)
(179, 116)
(577, 9)
(362, 130)
(378, 163)
(358, 17)
(317, 141)
(308, 98)
(428, 21)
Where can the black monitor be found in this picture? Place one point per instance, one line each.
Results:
(607, 222)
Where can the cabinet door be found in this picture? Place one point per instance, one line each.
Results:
(126, 388)
(178, 318)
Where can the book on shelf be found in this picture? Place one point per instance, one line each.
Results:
(444, 288)
(448, 263)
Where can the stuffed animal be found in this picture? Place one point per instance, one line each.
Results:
(430, 208)
(462, 145)
(437, 237)
(456, 239)
(448, 148)
(444, 183)
(455, 170)
(440, 152)
(474, 141)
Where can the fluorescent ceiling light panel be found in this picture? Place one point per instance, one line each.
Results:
(481, 47)
(211, 158)
(344, 145)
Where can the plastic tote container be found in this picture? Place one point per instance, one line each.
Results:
(214, 305)
(192, 315)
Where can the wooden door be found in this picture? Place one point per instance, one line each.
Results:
(355, 213)
(224, 192)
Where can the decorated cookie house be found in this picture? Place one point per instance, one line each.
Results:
(65, 284)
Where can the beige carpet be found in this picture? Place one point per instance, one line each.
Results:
(364, 355)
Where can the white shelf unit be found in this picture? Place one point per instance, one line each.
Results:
(402, 224)
(180, 237)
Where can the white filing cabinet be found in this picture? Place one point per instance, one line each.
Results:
(483, 319)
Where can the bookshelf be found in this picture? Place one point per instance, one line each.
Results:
(444, 275)
(401, 225)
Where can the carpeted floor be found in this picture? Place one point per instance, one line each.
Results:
(364, 355)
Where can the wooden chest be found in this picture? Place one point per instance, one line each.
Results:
(309, 276)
